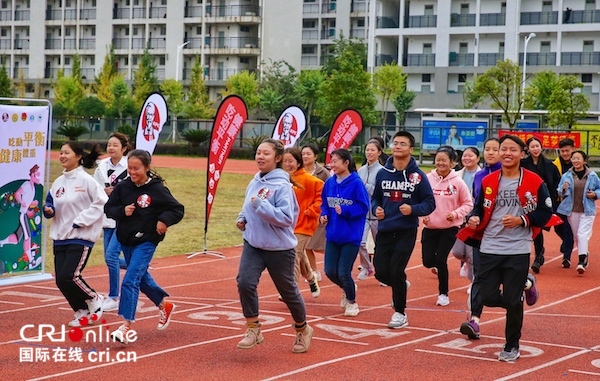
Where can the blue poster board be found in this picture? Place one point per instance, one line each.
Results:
(527, 125)
(457, 132)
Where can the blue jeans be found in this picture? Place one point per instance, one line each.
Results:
(339, 259)
(138, 279)
(112, 252)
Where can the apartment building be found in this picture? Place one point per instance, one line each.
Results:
(441, 44)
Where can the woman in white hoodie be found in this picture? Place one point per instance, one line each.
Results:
(453, 201)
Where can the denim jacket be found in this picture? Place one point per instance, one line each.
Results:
(589, 205)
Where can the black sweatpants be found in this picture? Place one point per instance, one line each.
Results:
(69, 262)
(436, 245)
(392, 253)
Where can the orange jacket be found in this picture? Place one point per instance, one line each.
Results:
(308, 194)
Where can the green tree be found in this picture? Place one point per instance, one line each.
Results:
(173, 92)
(276, 87)
(103, 81)
(347, 85)
(91, 109)
(121, 99)
(471, 98)
(68, 93)
(502, 85)
(145, 81)
(388, 81)
(403, 101)
(271, 102)
(344, 46)
(566, 105)
(537, 96)
(6, 86)
(198, 104)
(76, 72)
(307, 90)
(21, 85)
(245, 85)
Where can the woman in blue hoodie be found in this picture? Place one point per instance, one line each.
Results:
(344, 212)
(267, 219)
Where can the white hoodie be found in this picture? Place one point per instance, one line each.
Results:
(102, 177)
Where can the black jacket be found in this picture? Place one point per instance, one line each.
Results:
(548, 172)
(153, 203)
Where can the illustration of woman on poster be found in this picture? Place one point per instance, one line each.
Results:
(454, 139)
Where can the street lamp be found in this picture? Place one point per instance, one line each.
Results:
(531, 35)
(177, 59)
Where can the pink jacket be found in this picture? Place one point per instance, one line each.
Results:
(451, 196)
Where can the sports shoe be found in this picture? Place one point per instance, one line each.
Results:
(318, 274)
(120, 334)
(535, 267)
(363, 274)
(252, 336)
(471, 329)
(95, 307)
(407, 284)
(464, 271)
(344, 301)
(566, 263)
(165, 315)
(303, 338)
(509, 356)
(434, 270)
(442, 300)
(351, 309)
(583, 262)
(531, 292)
(382, 284)
(315, 290)
(398, 321)
(110, 304)
(77, 319)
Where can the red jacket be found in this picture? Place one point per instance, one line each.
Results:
(534, 198)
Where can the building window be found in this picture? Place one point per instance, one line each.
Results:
(199, 30)
(67, 60)
(360, 22)
(245, 60)
(93, 31)
(244, 28)
(3, 32)
(308, 50)
(462, 78)
(429, 10)
(162, 61)
(134, 59)
(426, 78)
(163, 30)
(586, 77)
(309, 24)
(501, 47)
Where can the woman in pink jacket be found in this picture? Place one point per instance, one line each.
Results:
(453, 201)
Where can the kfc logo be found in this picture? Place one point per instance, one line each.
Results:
(144, 201)
(414, 178)
(287, 129)
(151, 121)
(59, 192)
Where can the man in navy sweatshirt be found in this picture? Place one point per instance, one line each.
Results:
(402, 194)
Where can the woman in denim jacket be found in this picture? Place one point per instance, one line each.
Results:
(579, 188)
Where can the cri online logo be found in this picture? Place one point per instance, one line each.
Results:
(76, 334)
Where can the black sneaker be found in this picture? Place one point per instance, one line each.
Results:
(583, 262)
(315, 290)
(566, 263)
(535, 267)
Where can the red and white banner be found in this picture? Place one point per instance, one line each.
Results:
(230, 118)
(152, 119)
(290, 126)
(549, 140)
(345, 129)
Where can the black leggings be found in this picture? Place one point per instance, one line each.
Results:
(436, 245)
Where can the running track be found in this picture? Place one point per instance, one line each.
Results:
(560, 334)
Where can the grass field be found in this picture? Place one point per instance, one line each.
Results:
(189, 188)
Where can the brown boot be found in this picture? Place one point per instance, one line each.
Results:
(303, 338)
(252, 337)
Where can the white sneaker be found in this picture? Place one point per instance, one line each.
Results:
(442, 300)
(76, 322)
(344, 301)
(110, 304)
(464, 272)
(95, 307)
(120, 334)
(318, 275)
(398, 321)
(382, 284)
(469, 289)
(363, 274)
(351, 309)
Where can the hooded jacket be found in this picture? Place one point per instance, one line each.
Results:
(591, 183)
(394, 188)
(368, 174)
(548, 172)
(153, 202)
(307, 189)
(271, 217)
(451, 196)
(78, 204)
(101, 175)
(352, 197)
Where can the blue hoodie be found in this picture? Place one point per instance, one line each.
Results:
(271, 217)
(353, 199)
(394, 188)
(478, 178)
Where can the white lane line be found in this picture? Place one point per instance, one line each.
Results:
(330, 340)
(584, 372)
(456, 355)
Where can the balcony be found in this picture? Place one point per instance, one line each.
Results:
(328, 34)
(310, 8)
(87, 14)
(233, 42)
(21, 43)
(539, 59)
(231, 10)
(461, 59)
(87, 43)
(121, 13)
(158, 43)
(310, 34)
(217, 74)
(419, 60)
(490, 59)
(429, 21)
(5, 43)
(387, 23)
(158, 12)
(359, 7)
(583, 17)
(51, 72)
(358, 33)
(52, 43)
(309, 61)
(578, 58)
(70, 14)
(539, 18)
(492, 19)
(329, 7)
(5, 15)
(120, 43)
(457, 19)
(139, 13)
(385, 59)
(88, 73)
(53, 14)
(22, 15)
(23, 70)
(138, 43)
